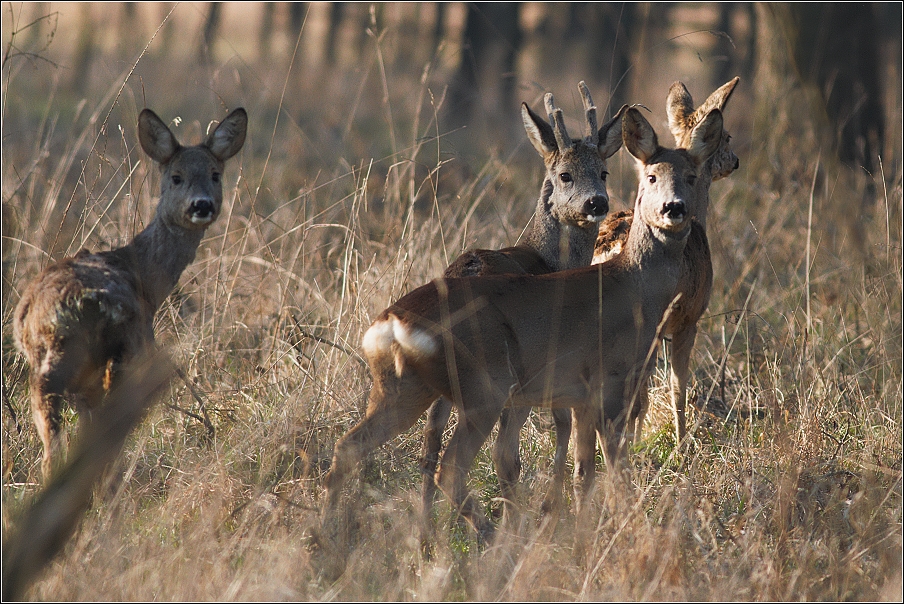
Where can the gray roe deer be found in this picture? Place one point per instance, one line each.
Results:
(578, 338)
(85, 316)
(573, 200)
(695, 284)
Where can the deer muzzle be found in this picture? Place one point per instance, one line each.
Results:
(674, 211)
(201, 211)
(596, 208)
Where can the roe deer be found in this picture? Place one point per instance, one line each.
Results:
(573, 200)
(577, 338)
(695, 284)
(85, 316)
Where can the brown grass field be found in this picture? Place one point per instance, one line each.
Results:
(352, 190)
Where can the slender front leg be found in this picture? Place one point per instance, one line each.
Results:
(586, 421)
(614, 419)
(680, 357)
(507, 454)
(553, 500)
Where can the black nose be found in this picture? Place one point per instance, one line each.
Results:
(596, 206)
(674, 209)
(202, 208)
(737, 163)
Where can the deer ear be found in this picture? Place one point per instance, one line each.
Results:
(610, 135)
(539, 132)
(638, 135)
(706, 137)
(228, 138)
(680, 107)
(717, 99)
(155, 138)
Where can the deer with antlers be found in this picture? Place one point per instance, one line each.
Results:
(82, 318)
(579, 338)
(573, 200)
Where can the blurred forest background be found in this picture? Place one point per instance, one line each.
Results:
(320, 77)
(385, 138)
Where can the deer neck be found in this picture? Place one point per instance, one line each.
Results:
(562, 246)
(701, 190)
(656, 256)
(158, 255)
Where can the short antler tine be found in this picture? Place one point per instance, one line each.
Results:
(590, 109)
(563, 141)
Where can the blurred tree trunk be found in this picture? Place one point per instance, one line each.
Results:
(297, 11)
(337, 11)
(265, 34)
(835, 48)
(211, 25)
(600, 33)
(439, 28)
(84, 52)
(490, 45)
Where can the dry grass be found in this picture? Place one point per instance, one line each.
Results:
(342, 200)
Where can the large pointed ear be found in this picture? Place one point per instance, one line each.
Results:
(610, 135)
(538, 131)
(638, 135)
(717, 99)
(155, 138)
(228, 138)
(706, 137)
(680, 107)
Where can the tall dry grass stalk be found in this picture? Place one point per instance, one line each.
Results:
(790, 487)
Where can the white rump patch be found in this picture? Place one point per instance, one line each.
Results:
(414, 341)
(378, 338)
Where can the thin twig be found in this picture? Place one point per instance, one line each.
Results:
(340, 347)
(201, 406)
(8, 404)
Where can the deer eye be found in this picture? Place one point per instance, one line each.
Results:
(651, 178)
(565, 177)
(215, 177)
(177, 179)
(603, 175)
(691, 179)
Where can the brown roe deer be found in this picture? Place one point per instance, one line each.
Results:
(578, 338)
(83, 317)
(573, 201)
(696, 282)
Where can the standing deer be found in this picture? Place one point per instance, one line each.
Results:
(577, 338)
(573, 201)
(85, 316)
(696, 282)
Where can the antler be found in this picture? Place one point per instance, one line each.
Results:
(590, 108)
(563, 141)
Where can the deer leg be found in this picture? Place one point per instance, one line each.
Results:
(586, 421)
(680, 356)
(437, 418)
(638, 412)
(46, 407)
(392, 408)
(48, 386)
(474, 426)
(553, 499)
(507, 454)
(613, 421)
